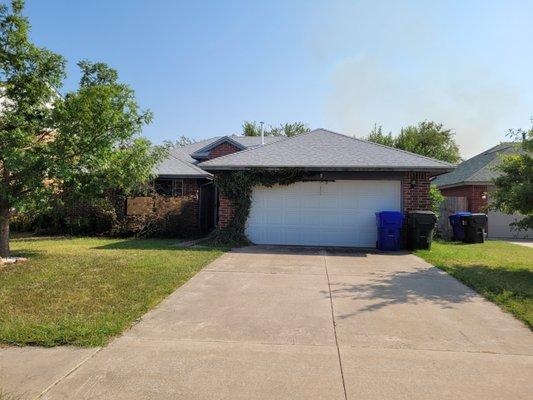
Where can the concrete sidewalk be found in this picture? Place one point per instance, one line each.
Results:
(522, 242)
(293, 323)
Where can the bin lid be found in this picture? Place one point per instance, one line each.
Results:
(422, 217)
(479, 218)
(461, 214)
(389, 215)
(386, 213)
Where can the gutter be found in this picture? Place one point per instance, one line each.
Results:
(441, 170)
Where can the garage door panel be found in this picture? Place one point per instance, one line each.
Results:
(337, 213)
(499, 226)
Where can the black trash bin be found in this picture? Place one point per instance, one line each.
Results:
(420, 227)
(474, 227)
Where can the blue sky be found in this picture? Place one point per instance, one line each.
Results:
(204, 67)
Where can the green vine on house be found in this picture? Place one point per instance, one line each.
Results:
(237, 186)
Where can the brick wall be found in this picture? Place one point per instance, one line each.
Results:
(415, 191)
(415, 196)
(190, 187)
(473, 193)
(222, 150)
(225, 211)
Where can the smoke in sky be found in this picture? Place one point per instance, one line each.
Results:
(405, 62)
(476, 105)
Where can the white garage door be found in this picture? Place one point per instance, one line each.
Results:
(498, 226)
(340, 213)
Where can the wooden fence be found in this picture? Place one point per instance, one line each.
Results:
(449, 206)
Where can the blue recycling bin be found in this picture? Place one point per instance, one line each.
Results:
(389, 224)
(457, 225)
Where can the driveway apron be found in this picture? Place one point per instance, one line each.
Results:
(267, 322)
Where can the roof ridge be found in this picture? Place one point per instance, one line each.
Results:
(255, 148)
(489, 152)
(389, 147)
(219, 140)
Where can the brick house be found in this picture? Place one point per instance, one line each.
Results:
(179, 177)
(348, 181)
(473, 179)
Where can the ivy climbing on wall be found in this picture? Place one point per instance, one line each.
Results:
(237, 186)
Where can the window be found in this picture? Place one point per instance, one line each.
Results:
(169, 187)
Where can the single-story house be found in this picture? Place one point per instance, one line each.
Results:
(473, 179)
(179, 176)
(348, 181)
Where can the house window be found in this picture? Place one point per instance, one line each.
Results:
(169, 187)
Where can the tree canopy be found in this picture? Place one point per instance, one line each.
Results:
(87, 141)
(427, 138)
(180, 142)
(514, 187)
(287, 129)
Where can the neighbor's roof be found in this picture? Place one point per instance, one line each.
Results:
(321, 149)
(179, 162)
(478, 169)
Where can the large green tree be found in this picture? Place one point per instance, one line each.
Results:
(86, 141)
(180, 142)
(287, 129)
(427, 138)
(514, 187)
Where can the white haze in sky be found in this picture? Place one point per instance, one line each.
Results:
(404, 62)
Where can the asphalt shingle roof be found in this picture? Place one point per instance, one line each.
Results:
(179, 162)
(478, 169)
(323, 149)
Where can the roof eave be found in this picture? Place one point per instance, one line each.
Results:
(465, 183)
(207, 175)
(206, 149)
(439, 170)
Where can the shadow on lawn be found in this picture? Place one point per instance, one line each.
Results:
(26, 253)
(517, 282)
(154, 244)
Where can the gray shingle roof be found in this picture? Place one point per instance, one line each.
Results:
(179, 162)
(478, 169)
(323, 149)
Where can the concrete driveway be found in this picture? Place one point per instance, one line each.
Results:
(292, 323)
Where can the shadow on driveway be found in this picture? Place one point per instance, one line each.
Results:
(401, 287)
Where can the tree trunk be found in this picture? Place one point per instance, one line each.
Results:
(5, 215)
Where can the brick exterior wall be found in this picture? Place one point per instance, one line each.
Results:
(415, 191)
(473, 193)
(223, 149)
(415, 196)
(190, 188)
(225, 211)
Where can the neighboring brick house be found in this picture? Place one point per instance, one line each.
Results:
(473, 179)
(349, 181)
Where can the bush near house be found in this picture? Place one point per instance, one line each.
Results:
(113, 216)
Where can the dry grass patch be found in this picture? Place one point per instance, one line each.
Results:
(84, 291)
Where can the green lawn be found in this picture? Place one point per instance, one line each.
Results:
(500, 271)
(83, 291)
